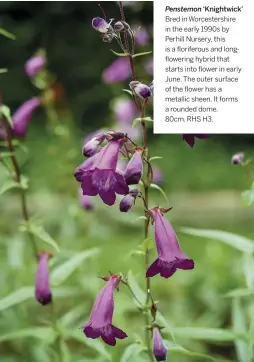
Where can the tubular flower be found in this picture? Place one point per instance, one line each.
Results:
(129, 200)
(85, 201)
(141, 90)
(100, 25)
(42, 288)
(170, 256)
(118, 71)
(22, 115)
(238, 158)
(34, 65)
(99, 176)
(190, 138)
(159, 350)
(134, 168)
(100, 321)
(92, 146)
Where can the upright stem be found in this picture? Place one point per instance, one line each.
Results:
(17, 176)
(141, 109)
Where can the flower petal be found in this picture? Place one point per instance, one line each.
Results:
(109, 197)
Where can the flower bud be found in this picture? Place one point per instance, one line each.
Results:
(133, 171)
(129, 200)
(34, 65)
(159, 350)
(119, 26)
(107, 38)
(141, 90)
(238, 158)
(42, 288)
(100, 25)
(22, 115)
(92, 147)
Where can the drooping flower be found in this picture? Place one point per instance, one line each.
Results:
(238, 158)
(190, 138)
(170, 256)
(92, 146)
(159, 350)
(134, 168)
(100, 25)
(141, 90)
(85, 201)
(118, 71)
(99, 176)
(22, 115)
(129, 200)
(42, 288)
(34, 65)
(100, 321)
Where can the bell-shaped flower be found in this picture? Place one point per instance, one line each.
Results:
(100, 176)
(34, 65)
(190, 138)
(134, 168)
(141, 90)
(159, 350)
(129, 200)
(42, 288)
(100, 321)
(170, 257)
(101, 25)
(22, 116)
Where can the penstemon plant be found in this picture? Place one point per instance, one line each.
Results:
(99, 175)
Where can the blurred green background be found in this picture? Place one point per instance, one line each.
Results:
(201, 184)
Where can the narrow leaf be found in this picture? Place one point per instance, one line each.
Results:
(236, 241)
(130, 352)
(6, 112)
(7, 34)
(44, 333)
(120, 54)
(155, 158)
(156, 187)
(137, 120)
(16, 297)
(240, 292)
(207, 334)
(239, 326)
(128, 91)
(141, 54)
(172, 347)
(3, 70)
(63, 271)
(41, 233)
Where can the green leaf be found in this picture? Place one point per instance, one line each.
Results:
(240, 292)
(130, 352)
(7, 34)
(155, 158)
(120, 54)
(63, 271)
(141, 54)
(247, 198)
(156, 187)
(207, 334)
(95, 344)
(6, 154)
(128, 91)
(16, 297)
(137, 120)
(6, 112)
(148, 244)
(3, 70)
(41, 233)
(8, 185)
(65, 352)
(137, 291)
(236, 241)
(140, 218)
(172, 347)
(44, 333)
(239, 326)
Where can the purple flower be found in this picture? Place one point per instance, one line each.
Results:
(238, 158)
(133, 171)
(119, 26)
(85, 201)
(100, 321)
(141, 90)
(190, 138)
(100, 25)
(129, 200)
(118, 71)
(141, 36)
(22, 116)
(125, 110)
(157, 175)
(149, 66)
(99, 176)
(92, 146)
(34, 65)
(42, 288)
(170, 256)
(159, 350)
